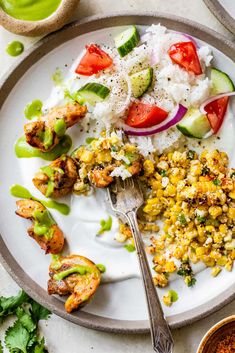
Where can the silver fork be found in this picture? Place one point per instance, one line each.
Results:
(125, 198)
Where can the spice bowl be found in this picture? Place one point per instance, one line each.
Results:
(20, 21)
(216, 338)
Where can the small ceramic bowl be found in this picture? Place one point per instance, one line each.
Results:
(217, 333)
(42, 27)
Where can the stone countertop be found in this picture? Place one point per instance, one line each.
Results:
(65, 337)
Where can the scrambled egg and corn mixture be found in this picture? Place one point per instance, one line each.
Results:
(193, 194)
(195, 197)
(104, 158)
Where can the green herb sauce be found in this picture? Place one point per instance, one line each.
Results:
(33, 109)
(57, 77)
(60, 127)
(101, 268)
(24, 150)
(56, 263)
(14, 48)
(43, 224)
(21, 192)
(30, 10)
(106, 225)
(82, 270)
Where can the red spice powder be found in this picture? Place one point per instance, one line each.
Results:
(227, 345)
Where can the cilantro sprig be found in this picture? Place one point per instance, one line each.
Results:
(22, 336)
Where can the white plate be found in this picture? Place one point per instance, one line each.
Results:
(118, 306)
(224, 10)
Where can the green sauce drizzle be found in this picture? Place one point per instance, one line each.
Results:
(14, 48)
(43, 223)
(33, 109)
(105, 225)
(24, 150)
(30, 10)
(57, 77)
(101, 268)
(82, 270)
(23, 193)
(60, 127)
(56, 263)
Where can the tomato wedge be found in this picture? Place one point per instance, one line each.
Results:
(185, 55)
(93, 61)
(145, 115)
(216, 111)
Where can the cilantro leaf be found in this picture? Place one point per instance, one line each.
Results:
(25, 319)
(40, 347)
(17, 337)
(8, 305)
(39, 312)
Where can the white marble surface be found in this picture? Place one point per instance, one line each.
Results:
(62, 336)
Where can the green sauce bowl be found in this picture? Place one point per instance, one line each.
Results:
(53, 22)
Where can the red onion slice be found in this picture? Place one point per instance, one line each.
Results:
(214, 98)
(172, 120)
(189, 38)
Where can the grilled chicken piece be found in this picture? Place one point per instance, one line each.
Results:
(41, 134)
(60, 176)
(44, 229)
(100, 177)
(65, 279)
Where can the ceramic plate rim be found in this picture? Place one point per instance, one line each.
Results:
(7, 83)
(221, 14)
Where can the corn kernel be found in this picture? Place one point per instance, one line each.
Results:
(148, 167)
(215, 271)
(215, 211)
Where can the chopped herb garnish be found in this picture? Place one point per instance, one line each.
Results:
(186, 271)
(217, 182)
(201, 219)
(101, 267)
(182, 219)
(191, 155)
(205, 171)
(131, 157)
(162, 172)
(105, 225)
(90, 139)
(114, 149)
(191, 282)
(232, 175)
(130, 247)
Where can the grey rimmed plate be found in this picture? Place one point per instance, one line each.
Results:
(224, 11)
(119, 306)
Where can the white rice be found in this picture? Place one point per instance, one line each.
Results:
(171, 85)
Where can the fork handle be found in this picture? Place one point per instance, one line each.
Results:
(161, 336)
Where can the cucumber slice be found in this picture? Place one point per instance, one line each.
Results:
(93, 92)
(221, 82)
(126, 41)
(141, 81)
(194, 124)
